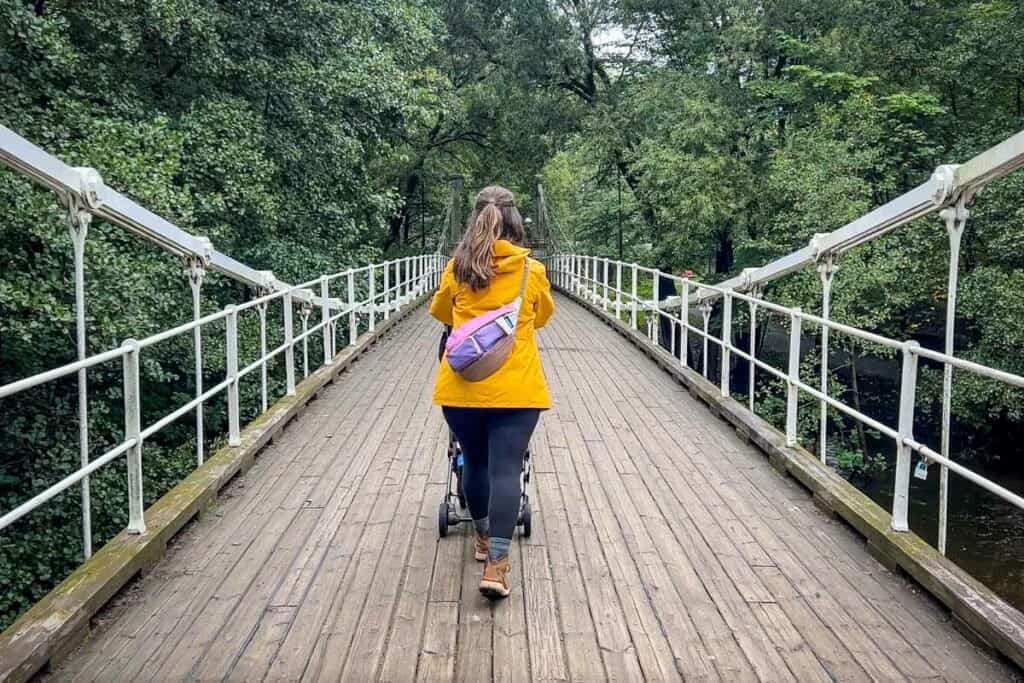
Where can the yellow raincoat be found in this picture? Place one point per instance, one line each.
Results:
(519, 383)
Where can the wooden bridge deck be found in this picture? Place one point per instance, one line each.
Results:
(664, 548)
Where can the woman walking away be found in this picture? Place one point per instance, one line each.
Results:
(491, 385)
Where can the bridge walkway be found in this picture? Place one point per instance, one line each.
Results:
(663, 548)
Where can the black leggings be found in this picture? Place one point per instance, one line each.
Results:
(493, 442)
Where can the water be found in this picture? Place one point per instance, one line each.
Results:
(985, 533)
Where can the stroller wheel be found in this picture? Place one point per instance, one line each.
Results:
(442, 519)
(525, 519)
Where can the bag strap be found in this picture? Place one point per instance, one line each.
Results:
(522, 287)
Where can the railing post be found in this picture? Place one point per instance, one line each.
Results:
(726, 342)
(656, 328)
(372, 297)
(79, 221)
(581, 277)
(407, 279)
(305, 310)
(618, 290)
(705, 311)
(196, 273)
(591, 278)
(792, 389)
(261, 309)
(289, 341)
(908, 398)
(132, 432)
(751, 377)
(231, 327)
(955, 219)
(684, 330)
(605, 284)
(826, 269)
(387, 290)
(633, 309)
(594, 280)
(325, 318)
(353, 330)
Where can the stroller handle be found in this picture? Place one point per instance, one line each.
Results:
(444, 339)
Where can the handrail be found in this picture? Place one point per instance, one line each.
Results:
(383, 288)
(588, 277)
(83, 190)
(949, 185)
(409, 285)
(949, 191)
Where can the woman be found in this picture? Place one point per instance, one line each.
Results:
(494, 417)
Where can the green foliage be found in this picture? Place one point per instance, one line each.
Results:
(265, 126)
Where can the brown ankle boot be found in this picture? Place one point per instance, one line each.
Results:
(481, 544)
(495, 582)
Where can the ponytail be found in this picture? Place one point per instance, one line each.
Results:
(494, 217)
(474, 257)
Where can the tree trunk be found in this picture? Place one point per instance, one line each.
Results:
(398, 226)
(861, 436)
(724, 257)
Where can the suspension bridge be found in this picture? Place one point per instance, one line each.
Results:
(677, 535)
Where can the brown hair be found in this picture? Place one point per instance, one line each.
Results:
(495, 217)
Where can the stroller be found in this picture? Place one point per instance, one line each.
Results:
(453, 510)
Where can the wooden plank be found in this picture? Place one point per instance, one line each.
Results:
(709, 491)
(196, 642)
(62, 617)
(856, 639)
(719, 489)
(194, 572)
(368, 634)
(512, 648)
(346, 561)
(474, 654)
(411, 614)
(826, 645)
(577, 625)
(270, 633)
(923, 626)
(615, 643)
(974, 604)
(691, 653)
(652, 646)
(546, 656)
(437, 659)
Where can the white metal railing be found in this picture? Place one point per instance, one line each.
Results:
(949, 191)
(369, 292)
(401, 280)
(600, 281)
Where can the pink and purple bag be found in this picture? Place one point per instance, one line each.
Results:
(476, 349)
